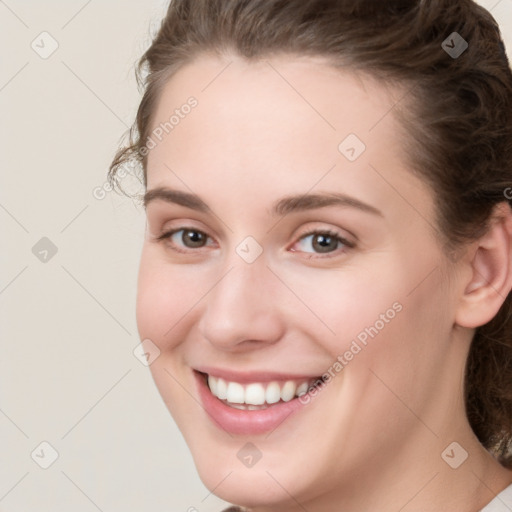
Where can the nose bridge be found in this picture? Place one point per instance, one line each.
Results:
(243, 305)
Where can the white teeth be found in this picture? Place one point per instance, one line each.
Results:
(212, 383)
(288, 391)
(303, 388)
(273, 393)
(256, 407)
(222, 389)
(256, 395)
(235, 393)
(238, 406)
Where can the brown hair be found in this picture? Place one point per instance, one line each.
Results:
(459, 120)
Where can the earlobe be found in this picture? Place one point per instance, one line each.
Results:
(491, 272)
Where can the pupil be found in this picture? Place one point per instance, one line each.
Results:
(193, 238)
(324, 243)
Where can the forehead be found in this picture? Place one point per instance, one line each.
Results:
(280, 123)
(305, 95)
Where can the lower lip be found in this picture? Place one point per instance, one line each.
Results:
(237, 421)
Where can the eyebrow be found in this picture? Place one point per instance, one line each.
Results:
(282, 207)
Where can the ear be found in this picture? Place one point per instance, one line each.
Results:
(490, 276)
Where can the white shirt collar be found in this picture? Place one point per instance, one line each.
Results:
(501, 503)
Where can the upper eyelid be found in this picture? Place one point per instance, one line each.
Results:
(306, 233)
(313, 231)
(172, 231)
(344, 240)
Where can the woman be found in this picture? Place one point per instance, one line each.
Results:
(326, 272)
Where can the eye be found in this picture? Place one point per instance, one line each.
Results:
(191, 238)
(314, 242)
(321, 242)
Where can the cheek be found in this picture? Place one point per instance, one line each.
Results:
(346, 302)
(166, 296)
(375, 312)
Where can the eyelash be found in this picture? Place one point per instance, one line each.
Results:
(329, 233)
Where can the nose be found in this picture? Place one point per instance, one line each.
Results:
(242, 310)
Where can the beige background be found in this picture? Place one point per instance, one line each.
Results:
(68, 375)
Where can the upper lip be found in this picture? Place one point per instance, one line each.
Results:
(252, 376)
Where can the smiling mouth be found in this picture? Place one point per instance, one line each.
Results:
(256, 396)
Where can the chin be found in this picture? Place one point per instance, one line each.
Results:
(246, 488)
(270, 482)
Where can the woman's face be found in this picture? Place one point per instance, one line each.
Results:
(302, 246)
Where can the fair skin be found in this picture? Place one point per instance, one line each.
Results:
(373, 437)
